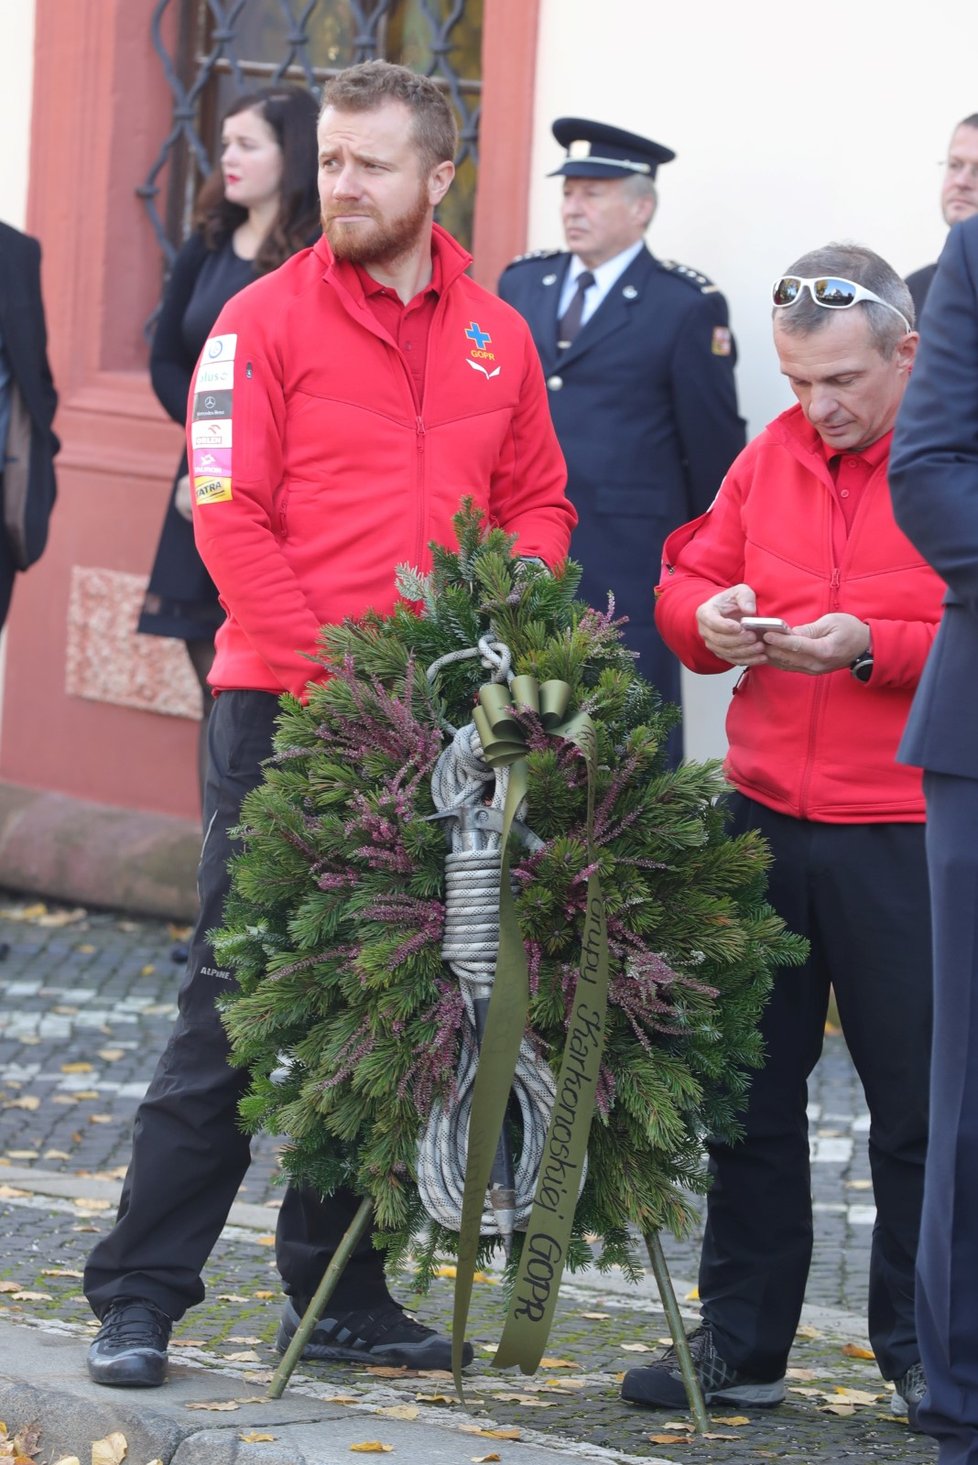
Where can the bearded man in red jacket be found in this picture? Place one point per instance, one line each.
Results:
(341, 409)
(802, 531)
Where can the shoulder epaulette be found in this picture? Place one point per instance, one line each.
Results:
(689, 275)
(522, 259)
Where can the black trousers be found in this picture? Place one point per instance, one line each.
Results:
(947, 1295)
(189, 1154)
(859, 893)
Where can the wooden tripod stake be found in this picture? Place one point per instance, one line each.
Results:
(356, 1229)
(694, 1393)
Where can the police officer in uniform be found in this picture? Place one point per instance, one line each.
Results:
(639, 362)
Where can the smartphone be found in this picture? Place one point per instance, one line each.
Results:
(764, 623)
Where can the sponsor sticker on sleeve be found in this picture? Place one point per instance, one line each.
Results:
(219, 348)
(213, 462)
(212, 433)
(212, 490)
(214, 375)
(722, 343)
(212, 404)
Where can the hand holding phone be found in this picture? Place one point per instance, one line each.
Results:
(760, 624)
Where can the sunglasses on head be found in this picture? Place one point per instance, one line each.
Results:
(831, 291)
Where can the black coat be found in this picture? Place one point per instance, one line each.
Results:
(645, 407)
(24, 336)
(918, 284)
(181, 598)
(934, 484)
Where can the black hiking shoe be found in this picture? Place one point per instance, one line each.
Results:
(659, 1385)
(129, 1349)
(383, 1334)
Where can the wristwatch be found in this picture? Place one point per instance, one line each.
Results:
(862, 667)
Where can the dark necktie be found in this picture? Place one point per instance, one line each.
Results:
(570, 324)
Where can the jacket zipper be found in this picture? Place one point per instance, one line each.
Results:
(422, 505)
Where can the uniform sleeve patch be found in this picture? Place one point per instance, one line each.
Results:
(721, 344)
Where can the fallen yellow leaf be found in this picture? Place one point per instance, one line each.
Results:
(91, 1203)
(100, 1119)
(807, 1331)
(662, 1439)
(247, 1355)
(693, 1295)
(399, 1411)
(730, 1419)
(216, 1408)
(31, 1296)
(22, 1154)
(255, 1438)
(147, 970)
(841, 1409)
(444, 1401)
(79, 1067)
(68, 1460)
(853, 1350)
(231, 1297)
(60, 1272)
(371, 1447)
(264, 1295)
(265, 1240)
(716, 1435)
(29, 1101)
(857, 1396)
(110, 1451)
(484, 1459)
(636, 1348)
(597, 1317)
(9, 1287)
(498, 1434)
(556, 1363)
(10, 1192)
(111, 1055)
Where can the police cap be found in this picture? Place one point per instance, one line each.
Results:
(595, 150)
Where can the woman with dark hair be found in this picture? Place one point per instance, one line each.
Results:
(256, 210)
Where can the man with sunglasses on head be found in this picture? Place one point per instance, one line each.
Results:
(802, 530)
(959, 196)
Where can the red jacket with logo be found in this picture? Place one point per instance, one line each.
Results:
(814, 747)
(315, 475)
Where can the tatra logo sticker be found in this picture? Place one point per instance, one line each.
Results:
(211, 434)
(212, 490)
(219, 348)
(211, 375)
(212, 404)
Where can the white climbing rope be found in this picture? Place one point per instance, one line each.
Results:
(471, 795)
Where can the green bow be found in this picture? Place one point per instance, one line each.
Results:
(548, 1231)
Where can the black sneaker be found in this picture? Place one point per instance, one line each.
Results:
(129, 1350)
(384, 1334)
(660, 1384)
(910, 1390)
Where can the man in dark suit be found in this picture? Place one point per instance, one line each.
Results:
(959, 196)
(27, 405)
(639, 362)
(934, 483)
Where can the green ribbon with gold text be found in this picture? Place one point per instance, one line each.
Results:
(548, 1230)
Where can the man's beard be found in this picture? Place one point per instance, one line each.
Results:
(380, 242)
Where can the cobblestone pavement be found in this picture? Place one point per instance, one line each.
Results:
(86, 1001)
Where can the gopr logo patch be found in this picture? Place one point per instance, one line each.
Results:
(479, 353)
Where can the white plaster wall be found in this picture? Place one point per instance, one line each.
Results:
(780, 149)
(17, 50)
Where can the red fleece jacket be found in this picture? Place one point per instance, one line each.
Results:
(313, 474)
(814, 747)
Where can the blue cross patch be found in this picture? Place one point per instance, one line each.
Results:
(480, 337)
